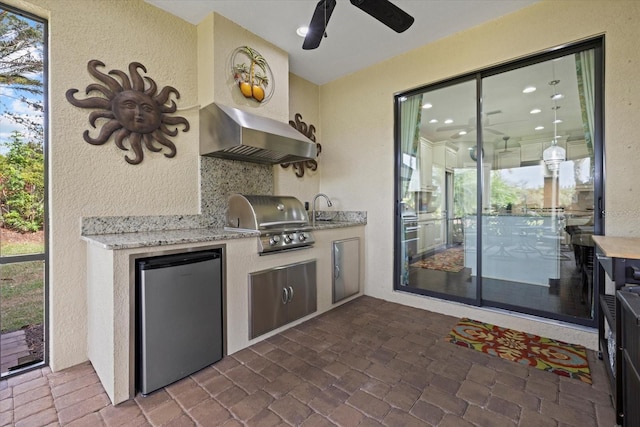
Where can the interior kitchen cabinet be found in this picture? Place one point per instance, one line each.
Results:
(577, 149)
(445, 154)
(345, 256)
(281, 295)
(530, 151)
(426, 162)
(507, 158)
(430, 233)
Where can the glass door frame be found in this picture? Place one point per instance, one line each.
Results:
(598, 45)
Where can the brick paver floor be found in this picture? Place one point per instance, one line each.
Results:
(14, 346)
(368, 362)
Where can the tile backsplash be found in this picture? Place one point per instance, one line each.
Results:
(220, 178)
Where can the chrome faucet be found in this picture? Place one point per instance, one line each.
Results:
(313, 204)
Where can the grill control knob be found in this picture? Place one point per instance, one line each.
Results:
(287, 238)
(274, 240)
(302, 237)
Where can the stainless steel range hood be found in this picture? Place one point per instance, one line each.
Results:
(234, 134)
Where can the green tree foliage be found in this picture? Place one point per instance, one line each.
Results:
(22, 185)
(21, 69)
(503, 193)
(22, 157)
(464, 193)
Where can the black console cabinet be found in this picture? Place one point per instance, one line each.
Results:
(619, 258)
(630, 354)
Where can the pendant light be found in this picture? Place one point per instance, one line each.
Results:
(554, 154)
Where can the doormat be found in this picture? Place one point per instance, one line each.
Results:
(568, 360)
(451, 260)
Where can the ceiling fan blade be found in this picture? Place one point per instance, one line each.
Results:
(455, 127)
(386, 12)
(318, 24)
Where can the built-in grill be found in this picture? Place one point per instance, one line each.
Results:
(281, 220)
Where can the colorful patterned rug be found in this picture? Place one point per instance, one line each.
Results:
(569, 360)
(451, 260)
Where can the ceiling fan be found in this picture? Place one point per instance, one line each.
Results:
(505, 139)
(382, 10)
(471, 126)
(507, 147)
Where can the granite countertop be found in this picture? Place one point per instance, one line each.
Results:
(113, 241)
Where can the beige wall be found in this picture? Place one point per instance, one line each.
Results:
(358, 162)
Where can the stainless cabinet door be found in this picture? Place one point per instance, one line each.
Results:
(268, 301)
(301, 285)
(346, 268)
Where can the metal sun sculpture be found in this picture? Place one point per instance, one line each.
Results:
(309, 131)
(132, 111)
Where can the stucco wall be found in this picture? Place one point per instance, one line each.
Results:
(358, 160)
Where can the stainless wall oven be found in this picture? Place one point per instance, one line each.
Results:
(409, 242)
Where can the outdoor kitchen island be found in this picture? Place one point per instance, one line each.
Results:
(111, 287)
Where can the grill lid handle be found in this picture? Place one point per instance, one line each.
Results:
(281, 223)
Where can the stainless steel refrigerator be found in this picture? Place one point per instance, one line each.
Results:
(179, 316)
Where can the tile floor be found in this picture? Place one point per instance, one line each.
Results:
(14, 346)
(368, 362)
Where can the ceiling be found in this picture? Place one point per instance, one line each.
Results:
(507, 109)
(354, 39)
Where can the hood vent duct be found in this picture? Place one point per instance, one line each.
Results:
(230, 133)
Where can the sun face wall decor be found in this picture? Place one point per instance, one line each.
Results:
(254, 80)
(134, 110)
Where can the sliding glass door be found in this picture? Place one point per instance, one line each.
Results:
(434, 260)
(499, 176)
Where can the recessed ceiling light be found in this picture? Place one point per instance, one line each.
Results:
(535, 111)
(557, 96)
(539, 127)
(427, 105)
(462, 132)
(557, 121)
(529, 89)
(302, 31)
(433, 121)
(448, 121)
